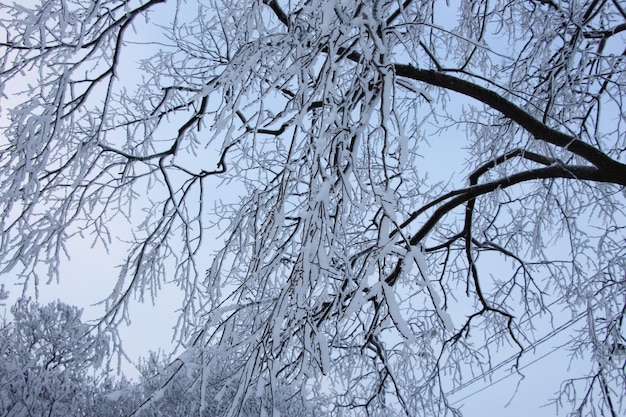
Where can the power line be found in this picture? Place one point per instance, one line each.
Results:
(511, 374)
(527, 320)
(515, 356)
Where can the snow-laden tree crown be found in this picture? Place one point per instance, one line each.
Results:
(281, 163)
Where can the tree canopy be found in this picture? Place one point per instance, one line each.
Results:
(46, 353)
(346, 267)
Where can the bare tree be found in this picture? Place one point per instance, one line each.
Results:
(47, 358)
(187, 386)
(342, 264)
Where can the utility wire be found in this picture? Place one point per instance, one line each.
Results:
(527, 320)
(511, 374)
(515, 356)
(531, 346)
